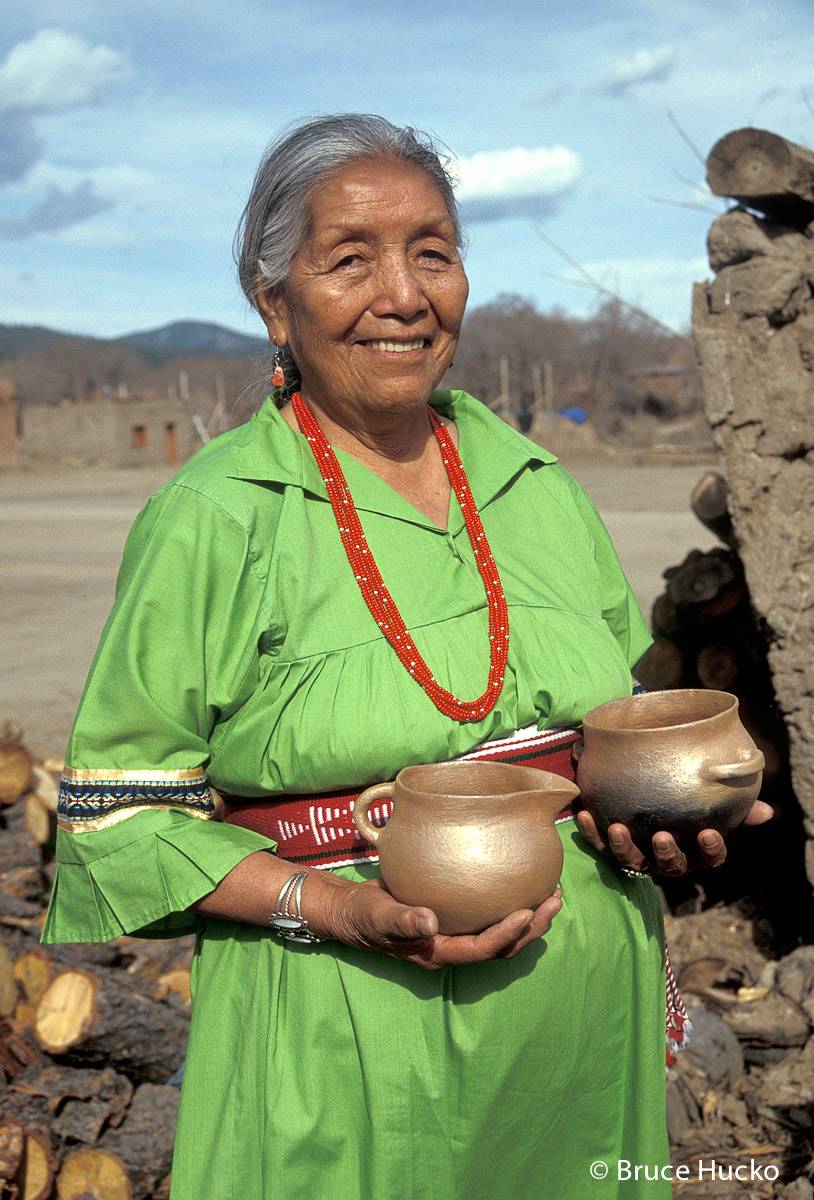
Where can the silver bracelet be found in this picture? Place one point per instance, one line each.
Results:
(632, 873)
(287, 920)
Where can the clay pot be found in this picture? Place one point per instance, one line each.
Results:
(678, 760)
(473, 841)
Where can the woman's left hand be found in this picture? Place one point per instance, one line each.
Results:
(668, 857)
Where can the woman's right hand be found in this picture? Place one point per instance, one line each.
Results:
(367, 916)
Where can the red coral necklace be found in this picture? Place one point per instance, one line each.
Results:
(376, 596)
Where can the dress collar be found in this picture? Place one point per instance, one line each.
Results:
(268, 450)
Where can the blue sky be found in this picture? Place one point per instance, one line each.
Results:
(129, 134)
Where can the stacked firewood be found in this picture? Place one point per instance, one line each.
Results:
(705, 631)
(90, 1036)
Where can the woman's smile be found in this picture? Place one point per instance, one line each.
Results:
(391, 346)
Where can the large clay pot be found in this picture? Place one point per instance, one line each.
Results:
(677, 760)
(473, 841)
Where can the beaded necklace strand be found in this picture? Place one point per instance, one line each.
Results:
(376, 596)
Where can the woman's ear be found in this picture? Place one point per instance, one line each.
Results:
(273, 309)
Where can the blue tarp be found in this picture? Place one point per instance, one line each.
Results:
(577, 415)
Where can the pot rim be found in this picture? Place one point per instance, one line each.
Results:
(642, 697)
(551, 783)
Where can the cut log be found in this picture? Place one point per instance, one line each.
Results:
(93, 1173)
(26, 883)
(16, 1050)
(15, 771)
(661, 666)
(35, 1178)
(703, 578)
(177, 981)
(708, 502)
(764, 171)
(66, 1010)
(25, 1013)
(162, 1192)
(718, 667)
(666, 617)
(34, 971)
(41, 823)
(12, 1148)
(16, 846)
(8, 984)
(144, 1141)
(45, 787)
(96, 1018)
(74, 1105)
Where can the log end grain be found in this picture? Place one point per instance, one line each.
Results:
(8, 983)
(35, 1179)
(66, 1010)
(749, 162)
(34, 971)
(95, 1173)
(15, 771)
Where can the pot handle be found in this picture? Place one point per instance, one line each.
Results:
(361, 815)
(750, 765)
(577, 748)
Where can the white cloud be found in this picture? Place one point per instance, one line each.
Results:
(643, 66)
(504, 183)
(517, 172)
(57, 70)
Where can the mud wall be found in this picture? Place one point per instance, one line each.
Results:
(754, 328)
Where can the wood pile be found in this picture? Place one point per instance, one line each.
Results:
(90, 1036)
(707, 635)
(742, 1094)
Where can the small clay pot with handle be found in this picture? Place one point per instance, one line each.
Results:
(473, 841)
(676, 760)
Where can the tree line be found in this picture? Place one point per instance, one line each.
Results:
(511, 356)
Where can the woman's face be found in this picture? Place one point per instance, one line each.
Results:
(376, 294)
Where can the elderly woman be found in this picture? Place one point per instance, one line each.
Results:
(315, 601)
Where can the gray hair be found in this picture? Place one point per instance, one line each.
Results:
(275, 220)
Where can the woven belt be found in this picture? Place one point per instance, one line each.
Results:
(318, 830)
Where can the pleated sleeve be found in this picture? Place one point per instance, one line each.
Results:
(139, 840)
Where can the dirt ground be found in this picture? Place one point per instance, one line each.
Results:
(62, 532)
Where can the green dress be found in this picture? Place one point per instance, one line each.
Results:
(239, 646)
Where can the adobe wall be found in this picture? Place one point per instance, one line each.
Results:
(754, 328)
(109, 432)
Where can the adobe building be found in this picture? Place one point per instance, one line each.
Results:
(113, 432)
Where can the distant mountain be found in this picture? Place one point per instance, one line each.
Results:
(19, 339)
(193, 337)
(175, 340)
